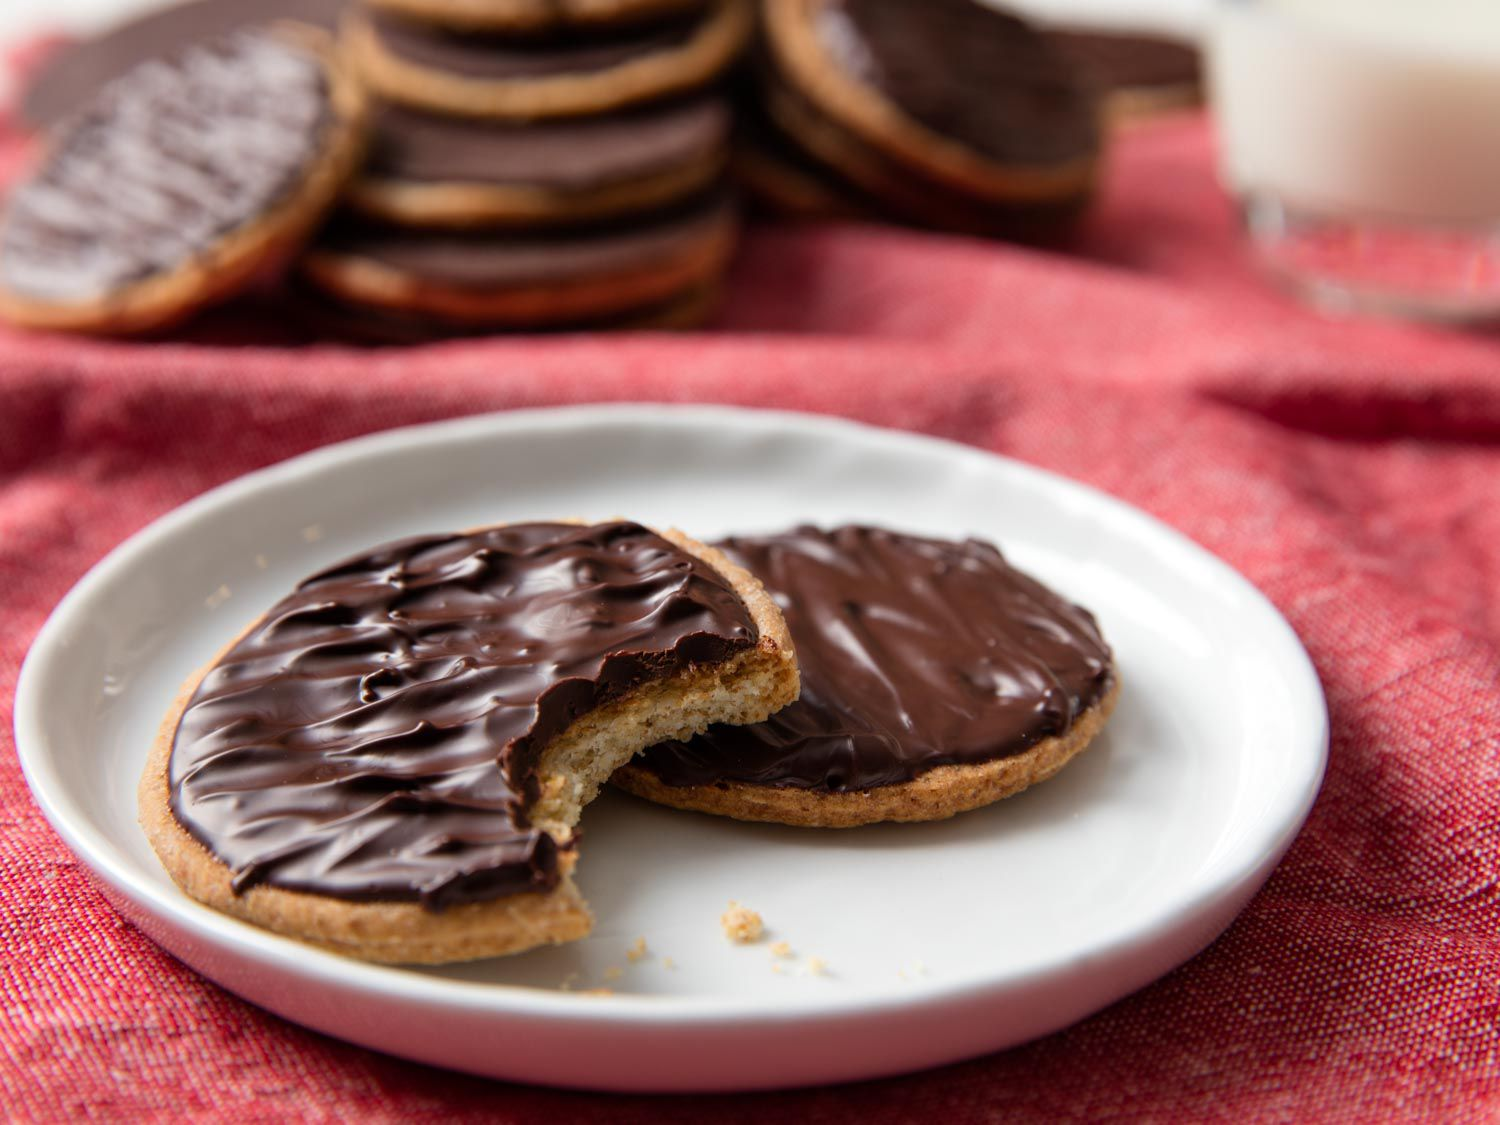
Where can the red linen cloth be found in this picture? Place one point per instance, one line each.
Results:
(1349, 468)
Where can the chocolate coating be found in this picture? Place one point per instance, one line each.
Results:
(1120, 61)
(914, 653)
(80, 70)
(968, 72)
(485, 260)
(499, 58)
(566, 155)
(375, 735)
(162, 164)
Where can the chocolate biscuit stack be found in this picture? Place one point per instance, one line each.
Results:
(535, 165)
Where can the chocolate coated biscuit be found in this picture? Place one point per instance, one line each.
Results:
(180, 183)
(430, 171)
(524, 280)
(949, 101)
(477, 76)
(391, 761)
(936, 678)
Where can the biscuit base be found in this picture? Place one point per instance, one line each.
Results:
(747, 688)
(703, 57)
(938, 794)
(458, 206)
(254, 248)
(358, 280)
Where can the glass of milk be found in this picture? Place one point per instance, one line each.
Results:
(1362, 140)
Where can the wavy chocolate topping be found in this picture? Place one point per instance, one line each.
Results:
(375, 735)
(968, 72)
(503, 58)
(914, 653)
(164, 163)
(80, 70)
(565, 155)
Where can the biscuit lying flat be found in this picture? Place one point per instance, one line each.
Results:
(390, 762)
(180, 183)
(500, 280)
(936, 678)
(431, 171)
(480, 76)
(953, 114)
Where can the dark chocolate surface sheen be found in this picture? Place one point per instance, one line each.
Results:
(968, 72)
(163, 163)
(503, 58)
(80, 70)
(566, 155)
(914, 653)
(374, 736)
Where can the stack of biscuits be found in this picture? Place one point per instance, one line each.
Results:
(535, 165)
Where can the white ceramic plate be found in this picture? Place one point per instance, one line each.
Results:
(941, 941)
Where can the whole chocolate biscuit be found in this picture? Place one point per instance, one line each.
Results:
(428, 170)
(525, 280)
(470, 75)
(935, 678)
(950, 101)
(180, 183)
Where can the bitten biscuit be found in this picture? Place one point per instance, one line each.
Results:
(180, 183)
(469, 76)
(936, 678)
(390, 763)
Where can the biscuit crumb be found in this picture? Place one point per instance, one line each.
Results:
(217, 598)
(776, 967)
(668, 963)
(312, 532)
(781, 949)
(741, 924)
(262, 562)
(637, 950)
(613, 972)
(817, 967)
(568, 982)
(597, 992)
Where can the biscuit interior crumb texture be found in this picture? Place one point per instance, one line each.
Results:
(741, 924)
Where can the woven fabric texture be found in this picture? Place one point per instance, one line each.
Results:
(1349, 468)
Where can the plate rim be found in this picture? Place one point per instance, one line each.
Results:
(273, 952)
